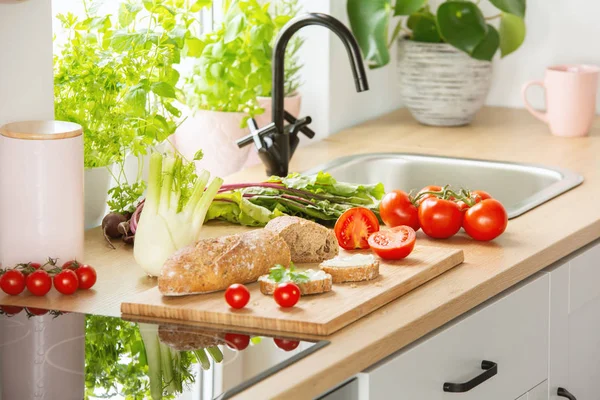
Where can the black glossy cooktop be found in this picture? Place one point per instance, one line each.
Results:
(62, 356)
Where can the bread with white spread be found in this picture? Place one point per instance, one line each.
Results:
(354, 268)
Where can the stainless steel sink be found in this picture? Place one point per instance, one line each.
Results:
(520, 187)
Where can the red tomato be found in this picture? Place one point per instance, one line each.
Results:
(287, 294)
(12, 282)
(66, 282)
(354, 227)
(39, 282)
(237, 296)
(440, 218)
(482, 195)
(486, 220)
(286, 344)
(86, 276)
(430, 188)
(11, 310)
(73, 264)
(37, 311)
(396, 209)
(236, 341)
(35, 265)
(393, 244)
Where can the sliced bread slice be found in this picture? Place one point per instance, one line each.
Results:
(308, 241)
(318, 282)
(354, 268)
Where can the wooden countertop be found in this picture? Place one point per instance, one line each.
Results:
(531, 242)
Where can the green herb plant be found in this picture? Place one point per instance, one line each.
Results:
(459, 23)
(234, 61)
(116, 76)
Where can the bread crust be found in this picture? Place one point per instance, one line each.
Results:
(308, 241)
(211, 265)
(186, 339)
(312, 287)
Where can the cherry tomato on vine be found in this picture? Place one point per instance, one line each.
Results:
(354, 226)
(35, 265)
(482, 195)
(72, 264)
(12, 282)
(39, 282)
(236, 341)
(237, 296)
(440, 218)
(86, 275)
(396, 209)
(286, 344)
(430, 188)
(486, 220)
(287, 294)
(11, 310)
(66, 282)
(393, 244)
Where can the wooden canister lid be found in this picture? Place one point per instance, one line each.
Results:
(41, 130)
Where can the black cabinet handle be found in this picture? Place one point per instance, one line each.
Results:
(491, 369)
(562, 392)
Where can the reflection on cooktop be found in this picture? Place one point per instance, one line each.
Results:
(62, 356)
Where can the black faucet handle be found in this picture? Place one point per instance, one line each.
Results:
(256, 135)
(301, 123)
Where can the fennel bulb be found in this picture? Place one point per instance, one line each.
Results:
(170, 220)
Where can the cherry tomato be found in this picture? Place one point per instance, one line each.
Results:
(37, 311)
(35, 265)
(237, 296)
(66, 282)
(286, 344)
(287, 294)
(486, 220)
(12, 282)
(396, 209)
(395, 243)
(440, 218)
(87, 276)
(72, 264)
(354, 226)
(11, 310)
(39, 282)
(482, 195)
(430, 188)
(236, 341)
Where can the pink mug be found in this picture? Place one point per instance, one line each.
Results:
(570, 99)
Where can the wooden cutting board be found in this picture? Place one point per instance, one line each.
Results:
(321, 314)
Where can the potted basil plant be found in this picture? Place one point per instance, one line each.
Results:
(231, 82)
(444, 56)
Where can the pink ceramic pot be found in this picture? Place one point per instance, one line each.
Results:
(216, 134)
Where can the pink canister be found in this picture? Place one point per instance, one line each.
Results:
(41, 192)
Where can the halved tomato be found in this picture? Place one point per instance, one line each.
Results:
(393, 244)
(354, 227)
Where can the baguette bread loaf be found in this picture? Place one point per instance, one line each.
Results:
(308, 241)
(187, 338)
(210, 265)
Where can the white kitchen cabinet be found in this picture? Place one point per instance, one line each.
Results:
(540, 392)
(346, 391)
(575, 325)
(510, 330)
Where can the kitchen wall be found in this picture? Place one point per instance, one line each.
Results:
(26, 61)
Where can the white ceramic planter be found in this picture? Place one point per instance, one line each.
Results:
(97, 182)
(441, 85)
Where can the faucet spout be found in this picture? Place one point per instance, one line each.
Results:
(358, 69)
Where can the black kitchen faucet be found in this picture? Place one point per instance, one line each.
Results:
(277, 142)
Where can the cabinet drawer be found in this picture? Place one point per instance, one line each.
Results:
(584, 277)
(510, 330)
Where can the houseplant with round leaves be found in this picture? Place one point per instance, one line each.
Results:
(444, 54)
